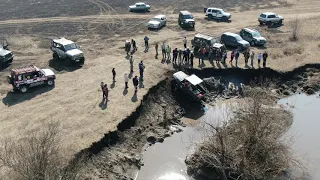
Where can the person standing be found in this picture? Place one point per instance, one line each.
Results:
(252, 58)
(168, 51)
(246, 56)
(237, 55)
(232, 56)
(188, 55)
(106, 92)
(102, 89)
(163, 47)
(175, 55)
(224, 57)
(203, 53)
(156, 47)
(114, 74)
(259, 58)
(180, 56)
(191, 58)
(135, 82)
(185, 54)
(134, 45)
(126, 80)
(218, 55)
(146, 43)
(265, 56)
(141, 70)
(131, 64)
(185, 42)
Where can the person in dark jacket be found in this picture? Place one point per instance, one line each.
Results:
(134, 45)
(264, 57)
(185, 56)
(188, 55)
(180, 56)
(135, 82)
(237, 55)
(146, 43)
(141, 70)
(191, 58)
(114, 74)
(175, 55)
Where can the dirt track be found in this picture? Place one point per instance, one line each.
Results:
(75, 100)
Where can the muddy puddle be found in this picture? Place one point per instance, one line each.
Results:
(305, 131)
(165, 161)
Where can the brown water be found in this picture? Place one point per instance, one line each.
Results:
(305, 130)
(165, 161)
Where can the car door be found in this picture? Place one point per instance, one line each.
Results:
(214, 13)
(271, 18)
(233, 41)
(218, 14)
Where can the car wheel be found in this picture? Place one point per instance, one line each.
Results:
(224, 19)
(280, 22)
(261, 23)
(23, 89)
(210, 16)
(269, 23)
(54, 56)
(50, 82)
(252, 43)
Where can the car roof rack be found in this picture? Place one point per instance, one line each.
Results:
(28, 69)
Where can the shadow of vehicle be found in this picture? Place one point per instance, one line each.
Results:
(156, 29)
(218, 20)
(60, 65)
(186, 28)
(4, 66)
(140, 11)
(16, 97)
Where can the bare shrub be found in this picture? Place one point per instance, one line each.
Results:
(293, 50)
(37, 157)
(295, 30)
(248, 145)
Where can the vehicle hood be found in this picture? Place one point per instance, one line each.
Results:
(154, 22)
(133, 6)
(48, 72)
(4, 52)
(189, 20)
(74, 52)
(260, 38)
(280, 17)
(244, 43)
(226, 14)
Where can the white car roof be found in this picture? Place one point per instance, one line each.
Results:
(203, 36)
(180, 75)
(216, 8)
(250, 29)
(140, 3)
(269, 13)
(230, 34)
(63, 41)
(194, 80)
(4, 52)
(185, 12)
(159, 16)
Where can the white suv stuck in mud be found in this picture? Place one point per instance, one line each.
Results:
(68, 50)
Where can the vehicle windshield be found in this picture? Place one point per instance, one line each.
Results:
(238, 38)
(189, 16)
(70, 47)
(256, 34)
(156, 19)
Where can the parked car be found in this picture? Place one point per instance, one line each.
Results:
(218, 14)
(186, 19)
(67, 50)
(270, 18)
(201, 40)
(234, 40)
(253, 37)
(157, 22)
(140, 6)
(6, 56)
(191, 85)
(24, 78)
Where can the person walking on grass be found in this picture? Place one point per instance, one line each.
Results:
(131, 64)
(106, 92)
(185, 42)
(141, 70)
(232, 56)
(191, 58)
(114, 74)
(156, 47)
(237, 55)
(126, 80)
(252, 58)
(146, 43)
(265, 56)
(259, 58)
(168, 51)
(175, 55)
(180, 55)
(163, 48)
(135, 82)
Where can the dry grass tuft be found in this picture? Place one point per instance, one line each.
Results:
(293, 50)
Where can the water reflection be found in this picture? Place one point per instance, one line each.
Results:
(172, 176)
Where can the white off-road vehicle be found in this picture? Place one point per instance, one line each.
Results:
(24, 78)
(270, 18)
(218, 14)
(67, 50)
(6, 56)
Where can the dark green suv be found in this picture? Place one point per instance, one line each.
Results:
(186, 19)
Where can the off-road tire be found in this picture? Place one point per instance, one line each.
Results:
(252, 43)
(55, 56)
(210, 16)
(23, 89)
(50, 82)
(269, 23)
(224, 19)
(280, 22)
(261, 23)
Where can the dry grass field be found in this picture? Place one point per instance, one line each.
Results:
(101, 30)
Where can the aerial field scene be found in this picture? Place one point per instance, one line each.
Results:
(159, 89)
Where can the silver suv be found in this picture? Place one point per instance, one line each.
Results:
(270, 18)
(253, 37)
(6, 56)
(68, 50)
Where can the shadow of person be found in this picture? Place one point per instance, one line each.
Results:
(125, 91)
(218, 64)
(141, 85)
(113, 85)
(168, 61)
(225, 65)
(134, 98)
(103, 104)
(246, 66)
(156, 56)
(130, 75)
(127, 57)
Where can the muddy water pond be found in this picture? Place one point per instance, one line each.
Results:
(165, 161)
